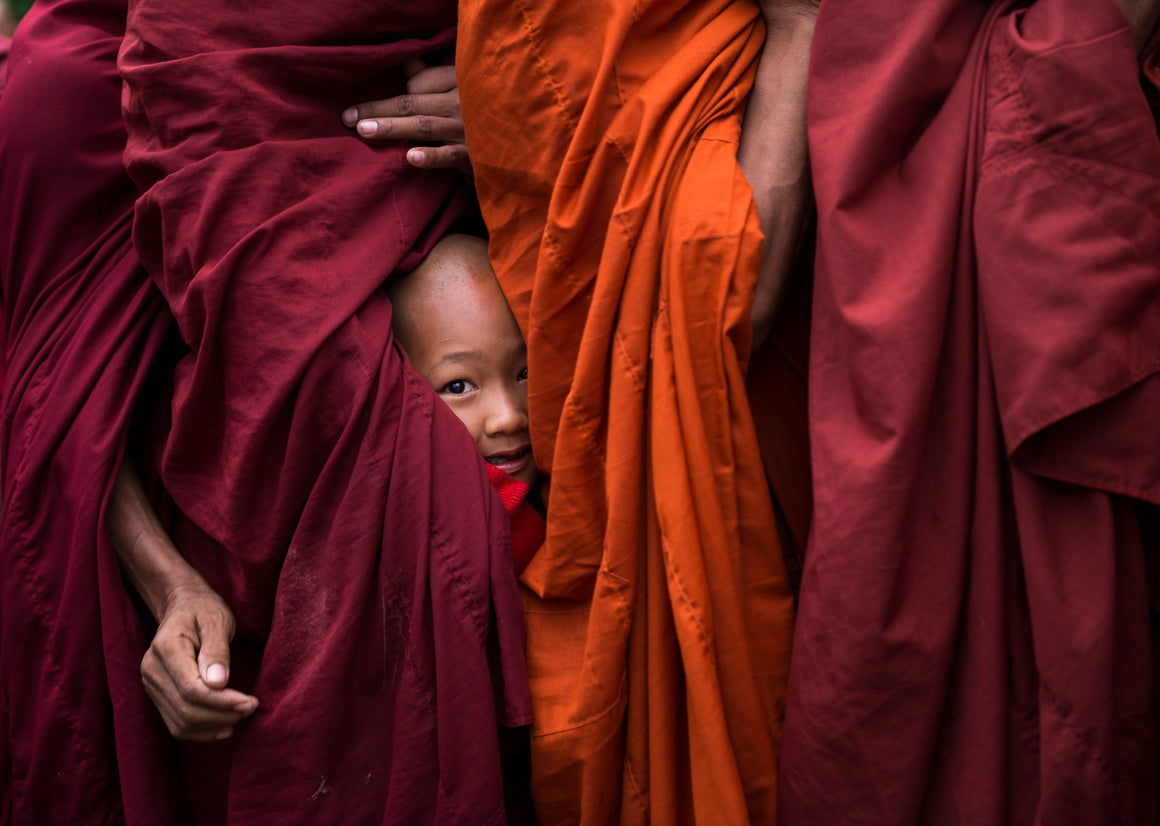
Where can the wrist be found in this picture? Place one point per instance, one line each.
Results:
(792, 20)
(159, 573)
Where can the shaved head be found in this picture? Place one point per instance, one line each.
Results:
(451, 317)
(437, 280)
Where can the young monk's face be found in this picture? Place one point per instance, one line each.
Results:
(464, 340)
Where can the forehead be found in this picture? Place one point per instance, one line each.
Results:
(459, 312)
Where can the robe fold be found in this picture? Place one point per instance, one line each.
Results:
(604, 140)
(82, 326)
(973, 641)
(319, 485)
(339, 507)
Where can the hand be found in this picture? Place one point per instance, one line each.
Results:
(427, 114)
(187, 666)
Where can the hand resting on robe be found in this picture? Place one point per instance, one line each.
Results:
(427, 114)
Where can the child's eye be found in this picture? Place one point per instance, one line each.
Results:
(523, 376)
(455, 388)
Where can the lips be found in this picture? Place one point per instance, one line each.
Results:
(511, 462)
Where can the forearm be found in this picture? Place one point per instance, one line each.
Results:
(147, 555)
(773, 152)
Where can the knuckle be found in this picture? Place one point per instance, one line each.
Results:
(426, 127)
(224, 626)
(183, 722)
(406, 105)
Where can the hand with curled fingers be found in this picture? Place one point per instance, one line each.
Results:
(187, 666)
(186, 669)
(428, 114)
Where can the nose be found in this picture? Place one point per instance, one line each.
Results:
(507, 412)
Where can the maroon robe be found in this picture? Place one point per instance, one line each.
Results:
(973, 638)
(320, 486)
(82, 325)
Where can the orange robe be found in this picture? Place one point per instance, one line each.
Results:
(604, 139)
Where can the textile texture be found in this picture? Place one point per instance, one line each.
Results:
(973, 638)
(627, 242)
(527, 525)
(320, 486)
(336, 504)
(82, 326)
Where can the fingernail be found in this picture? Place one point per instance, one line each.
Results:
(416, 156)
(349, 116)
(246, 707)
(224, 735)
(368, 127)
(216, 673)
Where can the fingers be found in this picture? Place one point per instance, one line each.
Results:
(186, 669)
(415, 128)
(428, 112)
(449, 156)
(213, 658)
(443, 104)
(430, 81)
(191, 709)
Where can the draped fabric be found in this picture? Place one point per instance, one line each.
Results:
(82, 325)
(604, 137)
(973, 638)
(339, 508)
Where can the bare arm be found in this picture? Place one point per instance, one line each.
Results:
(186, 668)
(773, 152)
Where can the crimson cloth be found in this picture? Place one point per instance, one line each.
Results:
(354, 530)
(82, 324)
(339, 507)
(973, 638)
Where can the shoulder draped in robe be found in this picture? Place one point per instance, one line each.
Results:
(973, 642)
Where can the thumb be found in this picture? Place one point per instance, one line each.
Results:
(213, 659)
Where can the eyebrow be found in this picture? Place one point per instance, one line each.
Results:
(458, 357)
